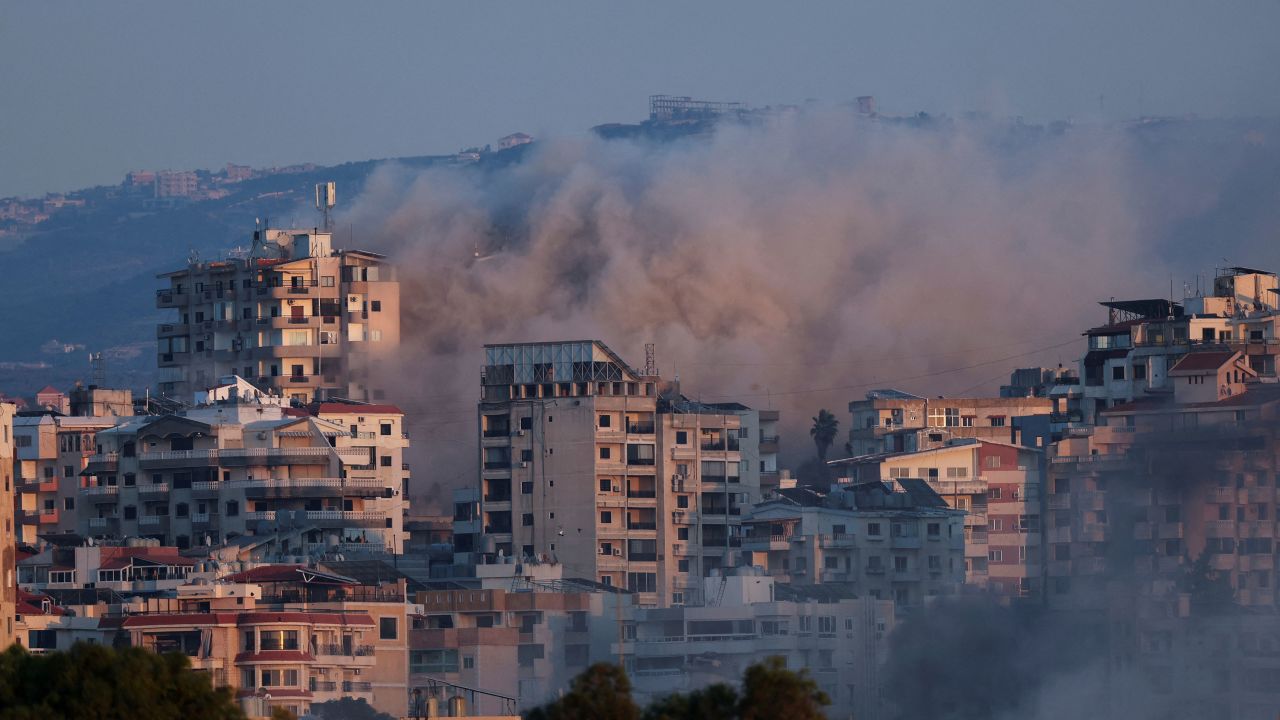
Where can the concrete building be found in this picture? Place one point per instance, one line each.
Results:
(514, 642)
(176, 183)
(895, 541)
(8, 531)
(284, 636)
(840, 639)
(894, 421)
(1166, 482)
(999, 487)
(331, 475)
(608, 471)
(295, 317)
(51, 451)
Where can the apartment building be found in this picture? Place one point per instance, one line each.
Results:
(608, 471)
(331, 474)
(894, 421)
(1166, 482)
(296, 317)
(895, 541)
(284, 636)
(998, 487)
(51, 451)
(839, 639)
(1128, 358)
(8, 530)
(514, 642)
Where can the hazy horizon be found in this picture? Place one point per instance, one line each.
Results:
(95, 91)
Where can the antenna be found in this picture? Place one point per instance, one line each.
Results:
(98, 369)
(326, 198)
(650, 368)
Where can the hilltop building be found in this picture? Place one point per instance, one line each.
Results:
(296, 317)
(608, 471)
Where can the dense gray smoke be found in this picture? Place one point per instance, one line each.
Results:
(791, 263)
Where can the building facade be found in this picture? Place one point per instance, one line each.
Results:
(876, 541)
(51, 452)
(893, 421)
(296, 317)
(248, 468)
(608, 471)
(8, 530)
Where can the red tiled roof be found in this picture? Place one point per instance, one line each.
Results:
(348, 409)
(49, 389)
(266, 573)
(1202, 361)
(116, 558)
(30, 603)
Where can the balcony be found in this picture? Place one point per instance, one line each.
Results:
(765, 543)
(104, 524)
(38, 486)
(172, 330)
(1060, 501)
(101, 493)
(1169, 531)
(169, 359)
(1257, 529)
(41, 517)
(1060, 535)
(642, 525)
(1222, 495)
(171, 298)
(310, 487)
(354, 686)
(153, 489)
(320, 518)
(252, 456)
(153, 523)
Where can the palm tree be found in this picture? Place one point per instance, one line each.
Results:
(825, 427)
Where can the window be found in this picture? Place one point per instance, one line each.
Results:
(385, 429)
(682, 533)
(526, 520)
(604, 485)
(526, 488)
(130, 512)
(604, 453)
(387, 628)
(375, 306)
(682, 565)
(642, 582)
(1117, 372)
(682, 501)
(69, 503)
(1140, 371)
(326, 281)
(605, 421)
(278, 640)
(934, 530)
(433, 661)
(233, 508)
(275, 677)
(873, 529)
(606, 517)
(682, 437)
(526, 423)
(993, 493)
(385, 461)
(957, 473)
(247, 678)
(995, 556)
(180, 510)
(899, 563)
(997, 421)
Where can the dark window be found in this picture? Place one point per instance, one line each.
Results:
(526, 488)
(387, 628)
(682, 437)
(605, 420)
(1117, 372)
(526, 519)
(385, 461)
(233, 508)
(526, 423)
(604, 485)
(180, 510)
(130, 512)
(1140, 372)
(604, 453)
(376, 306)
(386, 428)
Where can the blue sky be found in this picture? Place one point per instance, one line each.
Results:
(92, 90)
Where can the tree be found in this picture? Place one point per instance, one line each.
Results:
(92, 681)
(770, 690)
(601, 692)
(714, 702)
(824, 430)
(347, 709)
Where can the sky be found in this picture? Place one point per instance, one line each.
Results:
(90, 91)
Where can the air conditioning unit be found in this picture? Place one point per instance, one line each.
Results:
(617, 488)
(617, 552)
(524, 463)
(600, 551)
(678, 477)
(520, 433)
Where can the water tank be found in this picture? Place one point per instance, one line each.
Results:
(457, 706)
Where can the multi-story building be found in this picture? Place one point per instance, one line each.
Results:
(515, 641)
(839, 639)
(1166, 482)
(895, 421)
(51, 451)
(1129, 357)
(284, 636)
(607, 470)
(905, 545)
(8, 530)
(245, 467)
(999, 488)
(296, 317)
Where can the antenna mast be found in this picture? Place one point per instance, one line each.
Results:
(326, 198)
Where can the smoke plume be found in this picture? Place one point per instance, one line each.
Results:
(790, 263)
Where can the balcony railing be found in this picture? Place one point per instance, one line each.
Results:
(642, 525)
(253, 453)
(344, 650)
(640, 428)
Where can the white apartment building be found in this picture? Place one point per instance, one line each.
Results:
(50, 452)
(905, 545)
(840, 640)
(333, 474)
